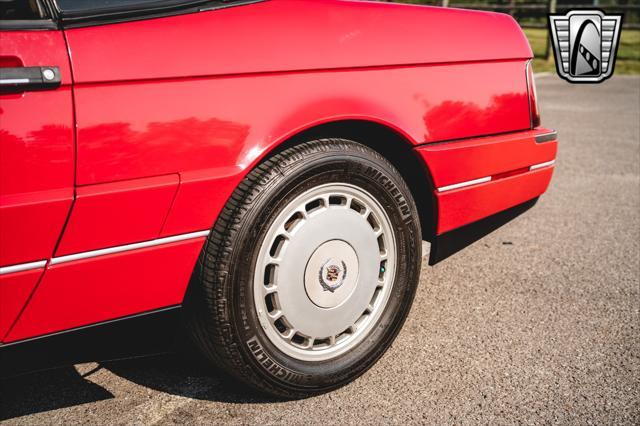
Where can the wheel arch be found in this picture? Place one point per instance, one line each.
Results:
(389, 142)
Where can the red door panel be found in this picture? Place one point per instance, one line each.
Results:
(36, 151)
(87, 291)
(15, 290)
(36, 166)
(30, 224)
(118, 213)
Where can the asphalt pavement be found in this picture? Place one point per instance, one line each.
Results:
(536, 323)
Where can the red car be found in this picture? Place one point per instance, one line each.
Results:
(268, 167)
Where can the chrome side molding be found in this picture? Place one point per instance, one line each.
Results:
(22, 267)
(463, 184)
(489, 178)
(101, 252)
(127, 247)
(541, 165)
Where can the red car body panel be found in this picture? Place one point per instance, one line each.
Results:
(83, 292)
(36, 166)
(479, 157)
(171, 114)
(96, 222)
(37, 158)
(227, 124)
(506, 159)
(15, 289)
(199, 200)
(466, 205)
(291, 36)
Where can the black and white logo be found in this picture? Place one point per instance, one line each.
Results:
(585, 43)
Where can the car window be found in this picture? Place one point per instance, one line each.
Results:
(23, 10)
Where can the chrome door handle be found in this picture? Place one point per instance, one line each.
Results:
(20, 79)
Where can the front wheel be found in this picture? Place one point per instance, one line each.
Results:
(310, 270)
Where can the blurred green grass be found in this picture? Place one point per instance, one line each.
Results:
(627, 62)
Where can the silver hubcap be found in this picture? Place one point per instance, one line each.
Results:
(324, 272)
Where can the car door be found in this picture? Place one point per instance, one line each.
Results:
(111, 260)
(36, 149)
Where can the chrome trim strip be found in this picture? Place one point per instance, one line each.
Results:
(463, 184)
(23, 267)
(128, 247)
(488, 178)
(541, 165)
(14, 81)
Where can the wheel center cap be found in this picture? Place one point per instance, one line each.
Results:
(331, 274)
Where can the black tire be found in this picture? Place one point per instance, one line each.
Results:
(220, 309)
